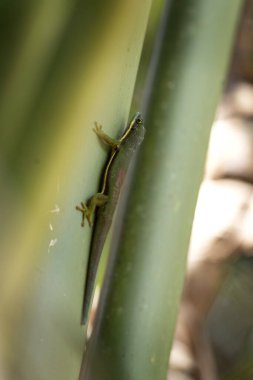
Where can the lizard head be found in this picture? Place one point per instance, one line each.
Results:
(135, 130)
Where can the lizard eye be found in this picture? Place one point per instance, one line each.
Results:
(139, 120)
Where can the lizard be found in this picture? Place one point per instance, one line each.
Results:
(103, 203)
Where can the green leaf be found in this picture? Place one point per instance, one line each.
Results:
(70, 63)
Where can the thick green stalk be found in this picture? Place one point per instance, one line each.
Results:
(134, 330)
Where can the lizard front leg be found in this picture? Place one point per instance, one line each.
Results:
(113, 143)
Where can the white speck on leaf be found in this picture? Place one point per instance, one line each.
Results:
(55, 209)
(52, 243)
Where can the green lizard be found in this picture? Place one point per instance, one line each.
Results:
(104, 202)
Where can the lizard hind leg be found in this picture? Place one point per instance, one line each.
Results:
(97, 200)
(85, 213)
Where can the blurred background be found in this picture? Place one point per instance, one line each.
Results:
(214, 331)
